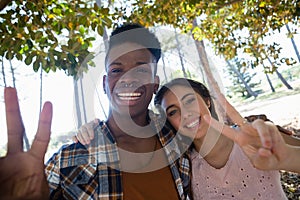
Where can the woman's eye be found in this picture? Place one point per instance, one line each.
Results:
(190, 100)
(172, 112)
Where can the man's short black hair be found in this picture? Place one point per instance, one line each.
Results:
(138, 34)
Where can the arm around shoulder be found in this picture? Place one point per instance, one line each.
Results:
(292, 162)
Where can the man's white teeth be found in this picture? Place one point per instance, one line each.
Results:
(193, 124)
(129, 96)
(135, 94)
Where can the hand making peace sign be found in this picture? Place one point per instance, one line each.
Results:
(22, 173)
(261, 141)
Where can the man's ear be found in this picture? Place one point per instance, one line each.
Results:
(156, 84)
(104, 83)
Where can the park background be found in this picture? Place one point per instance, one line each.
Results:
(46, 49)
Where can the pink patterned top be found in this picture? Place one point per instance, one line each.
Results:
(238, 179)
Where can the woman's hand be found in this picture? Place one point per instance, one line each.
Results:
(86, 132)
(260, 140)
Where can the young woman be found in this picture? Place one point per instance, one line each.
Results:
(222, 166)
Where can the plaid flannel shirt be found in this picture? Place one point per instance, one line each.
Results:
(91, 172)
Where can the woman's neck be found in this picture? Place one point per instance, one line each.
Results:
(215, 148)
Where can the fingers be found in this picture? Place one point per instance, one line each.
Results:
(90, 128)
(86, 132)
(264, 133)
(15, 127)
(74, 138)
(83, 136)
(40, 143)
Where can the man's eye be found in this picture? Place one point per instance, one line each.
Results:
(116, 70)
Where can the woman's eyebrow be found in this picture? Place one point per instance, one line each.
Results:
(170, 106)
(186, 95)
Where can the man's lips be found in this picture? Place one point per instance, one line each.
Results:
(129, 96)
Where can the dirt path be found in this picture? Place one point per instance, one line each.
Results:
(281, 111)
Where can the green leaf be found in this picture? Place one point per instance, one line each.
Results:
(29, 43)
(81, 30)
(100, 30)
(72, 58)
(28, 59)
(36, 65)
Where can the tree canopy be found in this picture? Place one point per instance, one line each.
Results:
(51, 34)
(231, 26)
(57, 34)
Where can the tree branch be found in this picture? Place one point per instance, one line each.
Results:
(4, 3)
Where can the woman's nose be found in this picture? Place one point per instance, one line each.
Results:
(186, 113)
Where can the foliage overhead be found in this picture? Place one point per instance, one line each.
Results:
(231, 26)
(57, 34)
(51, 34)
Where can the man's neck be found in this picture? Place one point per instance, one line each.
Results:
(122, 126)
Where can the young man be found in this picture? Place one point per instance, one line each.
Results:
(132, 155)
(124, 160)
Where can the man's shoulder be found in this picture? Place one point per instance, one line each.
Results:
(67, 151)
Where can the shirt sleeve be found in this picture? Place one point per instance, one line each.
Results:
(52, 171)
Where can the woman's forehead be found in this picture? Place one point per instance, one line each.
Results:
(180, 90)
(175, 94)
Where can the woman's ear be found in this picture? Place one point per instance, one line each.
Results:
(208, 103)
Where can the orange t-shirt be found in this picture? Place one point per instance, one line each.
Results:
(156, 185)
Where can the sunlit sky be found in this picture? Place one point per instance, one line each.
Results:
(58, 88)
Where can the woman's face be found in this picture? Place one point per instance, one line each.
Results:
(185, 109)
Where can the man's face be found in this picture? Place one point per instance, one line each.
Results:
(130, 82)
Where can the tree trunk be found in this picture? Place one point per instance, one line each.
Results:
(270, 83)
(41, 89)
(83, 102)
(293, 42)
(180, 54)
(77, 106)
(25, 138)
(283, 80)
(281, 77)
(249, 90)
(3, 72)
(212, 83)
(164, 66)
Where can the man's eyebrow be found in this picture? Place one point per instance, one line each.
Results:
(114, 63)
(142, 62)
